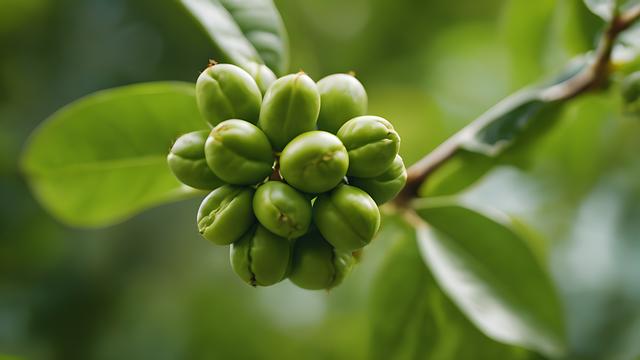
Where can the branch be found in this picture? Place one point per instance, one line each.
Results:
(592, 77)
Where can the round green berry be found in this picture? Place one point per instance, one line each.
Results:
(314, 162)
(372, 144)
(290, 107)
(282, 209)
(317, 265)
(263, 76)
(385, 186)
(347, 217)
(239, 152)
(187, 161)
(342, 97)
(225, 91)
(260, 257)
(226, 214)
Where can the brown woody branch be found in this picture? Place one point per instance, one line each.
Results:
(592, 77)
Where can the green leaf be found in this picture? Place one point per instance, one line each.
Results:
(602, 8)
(508, 121)
(102, 158)
(515, 123)
(411, 318)
(627, 47)
(457, 174)
(606, 8)
(244, 31)
(582, 196)
(488, 270)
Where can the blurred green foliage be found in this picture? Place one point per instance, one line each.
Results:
(151, 288)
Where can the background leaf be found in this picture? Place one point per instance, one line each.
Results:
(102, 158)
(606, 8)
(581, 194)
(244, 31)
(507, 122)
(515, 123)
(411, 318)
(627, 47)
(491, 274)
(602, 8)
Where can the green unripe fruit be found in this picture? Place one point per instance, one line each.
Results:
(317, 265)
(226, 214)
(187, 161)
(282, 209)
(342, 97)
(263, 76)
(260, 257)
(225, 91)
(372, 144)
(290, 107)
(314, 162)
(239, 152)
(385, 186)
(347, 217)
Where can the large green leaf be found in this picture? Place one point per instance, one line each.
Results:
(411, 318)
(244, 31)
(488, 270)
(582, 196)
(102, 158)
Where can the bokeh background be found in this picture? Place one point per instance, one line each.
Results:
(151, 288)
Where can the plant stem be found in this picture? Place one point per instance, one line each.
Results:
(592, 77)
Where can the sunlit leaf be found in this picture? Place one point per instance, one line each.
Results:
(582, 197)
(411, 318)
(488, 270)
(244, 31)
(102, 158)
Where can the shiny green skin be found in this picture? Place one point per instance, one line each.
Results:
(226, 214)
(347, 217)
(187, 162)
(282, 209)
(260, 257)
(314, 162)
(263, 76)
(290, 107)
(225, 91)
(239, 153)
(385, 186)
(317, 265)
(372, 144)
(342, 97)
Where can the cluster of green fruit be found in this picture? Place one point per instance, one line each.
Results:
(297, 175)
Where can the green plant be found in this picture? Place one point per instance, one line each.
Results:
(473, 255)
